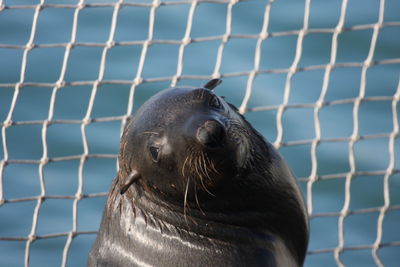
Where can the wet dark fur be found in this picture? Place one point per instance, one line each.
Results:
(241, 210)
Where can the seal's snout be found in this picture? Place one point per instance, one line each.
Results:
(211, 133)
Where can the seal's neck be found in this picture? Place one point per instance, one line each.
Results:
(256, 210)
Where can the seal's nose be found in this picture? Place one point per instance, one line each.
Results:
(211, 133)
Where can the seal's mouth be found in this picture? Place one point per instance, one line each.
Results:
(223, 154)
(206, 172)
(201, 167)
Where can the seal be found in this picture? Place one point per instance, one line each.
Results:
(198, 186)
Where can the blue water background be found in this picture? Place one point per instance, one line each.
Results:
(61, 178)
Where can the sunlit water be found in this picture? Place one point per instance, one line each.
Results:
(336, 121)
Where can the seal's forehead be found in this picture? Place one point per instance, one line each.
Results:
(170, 106)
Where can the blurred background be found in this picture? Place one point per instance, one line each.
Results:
(319, 79)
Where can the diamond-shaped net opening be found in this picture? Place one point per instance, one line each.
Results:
(320, 79)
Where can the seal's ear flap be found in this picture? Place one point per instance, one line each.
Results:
(211, 84)
(133, 177)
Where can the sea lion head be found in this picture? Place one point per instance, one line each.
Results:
(184, 143)
(188, 153)
(190, 160)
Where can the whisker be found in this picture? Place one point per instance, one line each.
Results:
(205, 172)
(185, 200)
(201, 165)
(197, 166)
(184, 165)
(197, 200)
(205, 167)
(212, 165)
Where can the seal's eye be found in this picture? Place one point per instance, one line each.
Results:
(214, 102)
(154, 153)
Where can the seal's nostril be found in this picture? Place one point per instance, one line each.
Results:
(210, 133)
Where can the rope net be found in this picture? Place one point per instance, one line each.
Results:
(328, 100)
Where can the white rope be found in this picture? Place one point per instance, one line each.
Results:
(261, 37)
